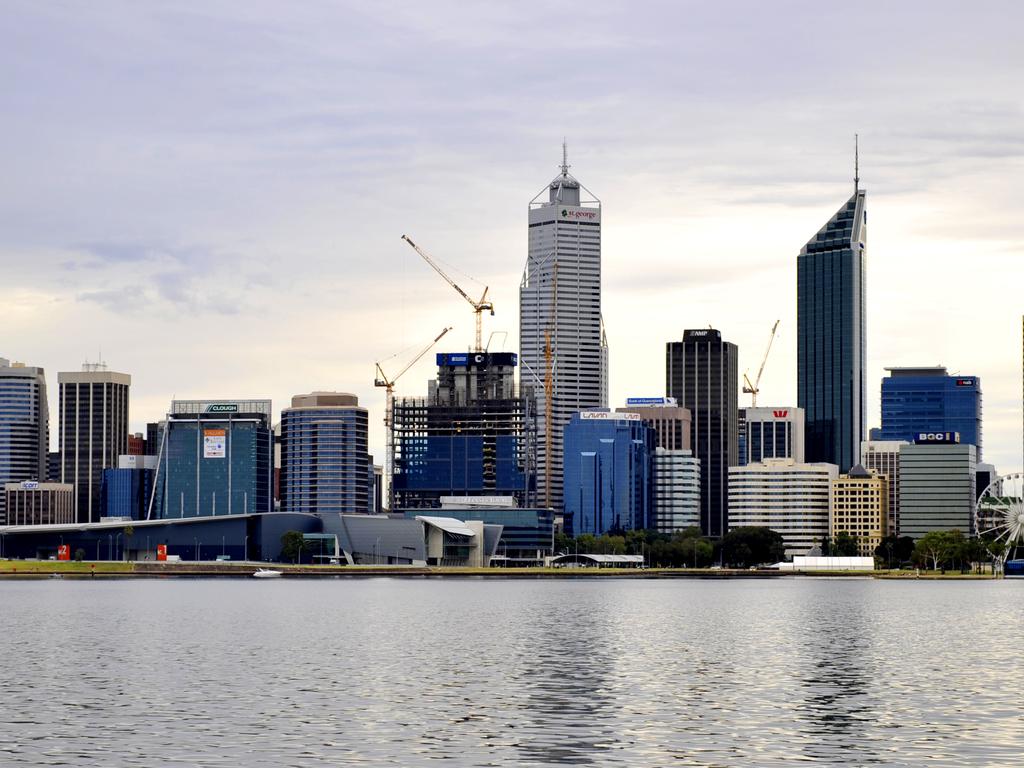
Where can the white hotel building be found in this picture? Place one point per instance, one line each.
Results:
(792, 499)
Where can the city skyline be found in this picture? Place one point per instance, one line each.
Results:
(166, 230)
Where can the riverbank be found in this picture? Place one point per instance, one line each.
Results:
(28, 569)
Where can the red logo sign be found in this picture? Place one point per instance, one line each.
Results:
(64, 552)
(161, 551)
(780, 414)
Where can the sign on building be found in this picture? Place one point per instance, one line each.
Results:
(214, 443)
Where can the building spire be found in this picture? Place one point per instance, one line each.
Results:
(565, 158)
(856, 163)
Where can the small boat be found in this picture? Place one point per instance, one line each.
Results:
(266, 573)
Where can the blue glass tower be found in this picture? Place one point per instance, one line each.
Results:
(608, 480)
(215, 458)
(831, 336)
(916, 400)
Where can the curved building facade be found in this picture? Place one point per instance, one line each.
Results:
(24, 426)
(325, 463)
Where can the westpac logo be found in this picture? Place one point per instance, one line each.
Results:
(780, 414)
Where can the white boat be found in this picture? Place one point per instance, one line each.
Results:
(266, 573)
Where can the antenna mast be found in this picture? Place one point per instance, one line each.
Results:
(856, 163)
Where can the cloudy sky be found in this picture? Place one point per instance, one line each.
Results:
(210, 195)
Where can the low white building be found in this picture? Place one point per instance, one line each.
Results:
(802, 563)
(792, 499)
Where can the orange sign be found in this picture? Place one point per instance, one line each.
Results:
(64, 552)
(161, 551)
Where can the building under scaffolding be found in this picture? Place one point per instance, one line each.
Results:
(473, 435)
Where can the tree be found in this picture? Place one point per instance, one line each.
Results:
(292, 544)
(751, 545)
(893, 549)
(939, 549)
(845, 545)
(79, 555)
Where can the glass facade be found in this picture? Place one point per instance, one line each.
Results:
(325, 466)
(831, 339)
(609, 482)
(701, 372)
(126, 492)
(214, 463)
(527, 535)
(916, 400)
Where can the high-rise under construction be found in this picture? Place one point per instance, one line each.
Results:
(472, 435)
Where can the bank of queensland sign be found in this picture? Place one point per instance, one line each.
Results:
(937, 437)
(222, 408)
(575, 213)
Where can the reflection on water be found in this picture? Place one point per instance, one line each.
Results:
(488, 673)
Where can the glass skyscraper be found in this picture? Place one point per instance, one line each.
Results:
(701, 373)
(214, 458)
(916, 400)
(609, 484)
(831, 336)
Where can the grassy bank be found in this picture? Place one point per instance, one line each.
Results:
(149, 569)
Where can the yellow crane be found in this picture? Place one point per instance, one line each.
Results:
(479, 305)
(753, 389)
(381, 380)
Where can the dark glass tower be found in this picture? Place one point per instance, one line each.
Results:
(831, 338)
(701, 373)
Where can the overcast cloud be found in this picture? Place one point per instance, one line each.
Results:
(211, 195)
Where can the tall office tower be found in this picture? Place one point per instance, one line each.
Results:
(883, 458)
(701, 374)
(773, 433)
(608, 473)
(831, 338)
(562, 344)
(325, 461)
(215, 458)
(473, 435)
(93, 431)
(916, 400)
(24, 426)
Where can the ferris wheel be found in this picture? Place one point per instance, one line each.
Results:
(999, 513)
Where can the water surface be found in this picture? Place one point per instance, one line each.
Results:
(502, 673)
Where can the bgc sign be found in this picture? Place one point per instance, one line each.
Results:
(937, 437)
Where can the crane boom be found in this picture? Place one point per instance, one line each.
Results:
(381, 380)
(478, 305)
(754, 388)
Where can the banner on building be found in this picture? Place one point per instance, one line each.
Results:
(64, 552)
(214, 443)
(161, 552)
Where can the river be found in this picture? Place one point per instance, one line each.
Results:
(604, 672)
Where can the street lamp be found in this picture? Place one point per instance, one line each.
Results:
(246, 547)
(196, 541)
(117, 543)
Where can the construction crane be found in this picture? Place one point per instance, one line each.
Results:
(381, 380)
(753, 389)
(479, 305)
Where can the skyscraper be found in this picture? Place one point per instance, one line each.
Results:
(473, 435)
(928, 399)
(701, 374)
(562, 345)
(831, 338)
(24, 426)
(325, 464)
(93, 431)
